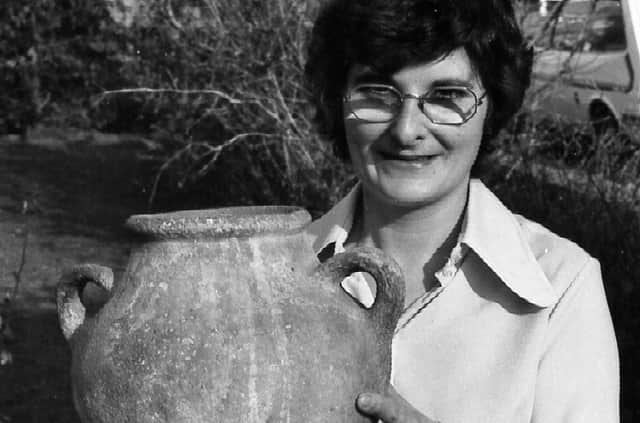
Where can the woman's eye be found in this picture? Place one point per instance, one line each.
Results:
(375, 91)
(448, 94)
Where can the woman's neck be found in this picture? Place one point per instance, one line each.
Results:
(420, 239)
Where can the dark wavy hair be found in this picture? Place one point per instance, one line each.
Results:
(391, 34)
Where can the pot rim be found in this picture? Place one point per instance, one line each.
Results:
(220, 222)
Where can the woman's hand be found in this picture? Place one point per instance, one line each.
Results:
(389, 408)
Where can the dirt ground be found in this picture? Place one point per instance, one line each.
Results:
(69, 202)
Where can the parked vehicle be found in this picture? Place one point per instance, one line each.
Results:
(587, 65)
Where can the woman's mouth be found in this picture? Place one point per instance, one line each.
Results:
(408, 159)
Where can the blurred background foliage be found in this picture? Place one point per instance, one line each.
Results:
(210, 83)
(214, 89)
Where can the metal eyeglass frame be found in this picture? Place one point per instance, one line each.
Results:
(478, 101)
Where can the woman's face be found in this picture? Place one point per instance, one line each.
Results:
(410, 161)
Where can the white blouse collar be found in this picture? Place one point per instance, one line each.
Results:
(489, 229)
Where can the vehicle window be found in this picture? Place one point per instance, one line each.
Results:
(586, 26)
(605, 31)
(565, 32)
(569, 34)
(572, 25)
(580, 8)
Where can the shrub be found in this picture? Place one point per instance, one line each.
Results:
(230, 94)
(223, 83)
(49, 59)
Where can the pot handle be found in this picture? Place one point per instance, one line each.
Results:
(71, 309)
(385, 271)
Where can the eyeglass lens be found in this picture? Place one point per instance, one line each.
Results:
(379, 103)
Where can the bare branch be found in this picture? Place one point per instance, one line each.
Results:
(214, 12)
(552, 19)
(217, 150)
(163, 168)
(17, 274)
(213, 151)
(143, 90)
(168, 8)
(283, 103)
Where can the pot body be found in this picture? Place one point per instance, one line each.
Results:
(240, 326)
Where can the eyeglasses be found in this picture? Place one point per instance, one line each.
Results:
(446, 105)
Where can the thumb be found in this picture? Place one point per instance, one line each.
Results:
(382, 407)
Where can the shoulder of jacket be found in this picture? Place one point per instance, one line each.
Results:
(560, 259)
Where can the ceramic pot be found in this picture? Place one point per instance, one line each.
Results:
(225, 315)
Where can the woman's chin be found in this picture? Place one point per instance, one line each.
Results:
(407, 193)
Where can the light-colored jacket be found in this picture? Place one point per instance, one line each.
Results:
(518, 329)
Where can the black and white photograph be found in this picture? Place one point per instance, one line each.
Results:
(345, 211)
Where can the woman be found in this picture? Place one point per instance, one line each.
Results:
(504, 321)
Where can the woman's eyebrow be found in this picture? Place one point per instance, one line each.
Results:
(371, 77)
(456, 82)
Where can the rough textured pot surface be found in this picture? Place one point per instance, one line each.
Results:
(225, 315)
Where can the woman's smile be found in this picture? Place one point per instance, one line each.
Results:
(405, 160)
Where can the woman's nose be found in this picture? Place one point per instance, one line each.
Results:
(410, 126)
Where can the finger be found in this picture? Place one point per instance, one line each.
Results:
(379, 406)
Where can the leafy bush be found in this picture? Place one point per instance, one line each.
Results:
(223, 85)
(49, 60)
(230, 94)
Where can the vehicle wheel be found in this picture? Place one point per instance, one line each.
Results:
(605, 125)
(609, 137)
